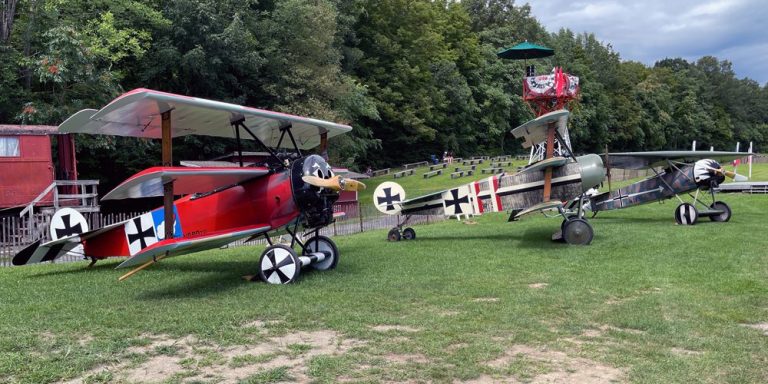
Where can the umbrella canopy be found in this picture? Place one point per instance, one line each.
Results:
(524, 51)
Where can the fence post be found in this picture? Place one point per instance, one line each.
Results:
(360, 215)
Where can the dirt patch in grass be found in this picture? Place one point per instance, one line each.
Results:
(561, 368)
(685, 352)
(399, 328)
(634, 296)
(261, 323)
(406, 358)
(168, 358)
(537, 285)
(486, 300)
(759, 326)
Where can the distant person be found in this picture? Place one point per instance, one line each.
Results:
(369, 171)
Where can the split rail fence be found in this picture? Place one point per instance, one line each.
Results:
(19, 232)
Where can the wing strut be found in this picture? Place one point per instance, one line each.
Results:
(238, 121)
(551, 128)
(167, 162)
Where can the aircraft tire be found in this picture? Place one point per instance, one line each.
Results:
(279, 264)
(393, 235)
(409, 234)
(323, 244)
(721, 206)
(577, 232)
(686, 214)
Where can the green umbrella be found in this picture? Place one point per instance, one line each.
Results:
(524, 51)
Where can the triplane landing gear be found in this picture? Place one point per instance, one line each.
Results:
(398, 233)
(280, 264)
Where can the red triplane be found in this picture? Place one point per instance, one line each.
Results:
(288, 190)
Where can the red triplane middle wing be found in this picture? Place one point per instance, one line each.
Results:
(149, 183)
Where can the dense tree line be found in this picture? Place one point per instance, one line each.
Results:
(412, 77)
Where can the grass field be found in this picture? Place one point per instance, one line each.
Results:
(647, 302)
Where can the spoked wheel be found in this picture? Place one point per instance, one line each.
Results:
(720, 206)
(409, 234)
(393, 235)
(686, 214)
(328, 247)
(577, 232)
(279, 265)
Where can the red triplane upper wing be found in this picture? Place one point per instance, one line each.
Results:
(138, 114)
(149, 183)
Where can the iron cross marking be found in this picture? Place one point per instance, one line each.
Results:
(388, 199)
(68, 228)
(141, 234)
(456, 202)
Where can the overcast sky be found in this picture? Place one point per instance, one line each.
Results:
(651, 30)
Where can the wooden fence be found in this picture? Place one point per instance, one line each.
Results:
(18, 232)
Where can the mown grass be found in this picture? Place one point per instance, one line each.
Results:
(645, 288)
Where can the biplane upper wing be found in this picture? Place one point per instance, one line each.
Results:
(535, 131)
(182, 246)
(149, 183)
(642, 160)
(138, 114)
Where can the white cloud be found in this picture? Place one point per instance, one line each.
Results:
(648, 31)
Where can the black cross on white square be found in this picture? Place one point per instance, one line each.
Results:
(67, 222)
(456, 201)
(140, 233)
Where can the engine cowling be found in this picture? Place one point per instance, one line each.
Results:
(315, 204)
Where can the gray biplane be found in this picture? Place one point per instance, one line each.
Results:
(675, 173)
(542, 186)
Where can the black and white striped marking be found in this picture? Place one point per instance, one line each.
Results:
(686, 214)
(279, 265)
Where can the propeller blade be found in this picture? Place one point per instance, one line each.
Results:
(336, 183)
(735, 176)
(352, 185)
(332, 183)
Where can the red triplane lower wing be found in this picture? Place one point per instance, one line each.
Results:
(149, 183)
(181, 246)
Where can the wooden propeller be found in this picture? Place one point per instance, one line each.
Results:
(336, 183)
(730, 174)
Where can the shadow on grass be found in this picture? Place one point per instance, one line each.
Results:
(220, 276)
(535, 238)
(78, 268)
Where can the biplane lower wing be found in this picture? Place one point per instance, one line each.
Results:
(182, 246)
(149, 183)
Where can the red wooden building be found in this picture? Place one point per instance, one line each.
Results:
(27, 168)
